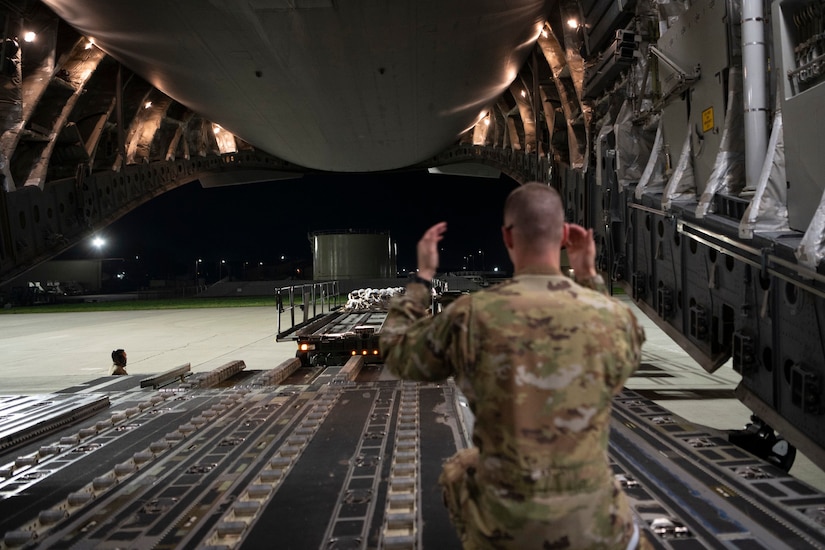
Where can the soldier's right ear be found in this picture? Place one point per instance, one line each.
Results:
(507, 235)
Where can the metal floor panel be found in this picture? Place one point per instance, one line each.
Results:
(182, 468)
(705, 491)
(326, 464)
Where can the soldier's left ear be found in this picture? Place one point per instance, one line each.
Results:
(565, 234)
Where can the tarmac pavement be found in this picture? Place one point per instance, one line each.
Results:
(46, 352)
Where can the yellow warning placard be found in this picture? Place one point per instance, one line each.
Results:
(707, 119)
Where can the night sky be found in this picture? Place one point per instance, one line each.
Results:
(266, 221)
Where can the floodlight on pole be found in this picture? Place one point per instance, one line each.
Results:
(97, 243)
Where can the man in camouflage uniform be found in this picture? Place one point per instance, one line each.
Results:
(539, 358)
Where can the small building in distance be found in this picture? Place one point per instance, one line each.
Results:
(352, 254)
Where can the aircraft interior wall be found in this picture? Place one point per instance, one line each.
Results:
(707, 250)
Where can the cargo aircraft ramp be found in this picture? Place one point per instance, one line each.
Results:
(339, 456)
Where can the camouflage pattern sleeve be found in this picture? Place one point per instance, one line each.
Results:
(594, 283)
(416, 345)
(629, 339)
(629, 345)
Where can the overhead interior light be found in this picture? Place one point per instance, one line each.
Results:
(147, 104)
(216, 128)
(29, 36)
(90, 43)
(524, 93)
(573, 23)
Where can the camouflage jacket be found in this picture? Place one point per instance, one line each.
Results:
(539, 358)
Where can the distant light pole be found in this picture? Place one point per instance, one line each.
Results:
(481, 253)
(197, 270)
(97, 243)
(220, 269)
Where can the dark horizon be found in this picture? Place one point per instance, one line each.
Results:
(271, 222)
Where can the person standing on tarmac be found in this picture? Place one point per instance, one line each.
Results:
(119, 362)
(539, 358)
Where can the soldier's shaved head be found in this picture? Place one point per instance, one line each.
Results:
(535, 214)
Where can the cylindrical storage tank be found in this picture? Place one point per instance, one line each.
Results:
(352, 254)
